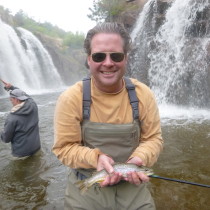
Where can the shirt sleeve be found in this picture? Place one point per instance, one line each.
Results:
(151, 142)
(9, 130)
(11, 88)
(67, 126)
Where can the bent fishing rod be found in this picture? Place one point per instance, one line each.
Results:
(180, 181)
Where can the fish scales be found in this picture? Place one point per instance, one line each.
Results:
(99, 176)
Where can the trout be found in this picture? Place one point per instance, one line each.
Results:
(99, 176)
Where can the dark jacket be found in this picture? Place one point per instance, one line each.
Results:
(22, 130)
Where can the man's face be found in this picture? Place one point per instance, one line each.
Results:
(14, 101)
(107, 73)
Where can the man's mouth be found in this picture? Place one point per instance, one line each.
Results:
(108, 72)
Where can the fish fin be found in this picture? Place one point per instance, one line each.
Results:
(82, 186)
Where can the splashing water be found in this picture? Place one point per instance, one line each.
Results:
(176, 57)
(24, 61)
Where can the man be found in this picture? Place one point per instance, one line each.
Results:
(105, 120)
(21, 126)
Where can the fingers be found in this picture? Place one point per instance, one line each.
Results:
(105, 162)
(143, 177)
(3, 82)
(111, 179)
(136, 160)
(136, 178)
(133, 177)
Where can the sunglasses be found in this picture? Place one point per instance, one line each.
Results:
(101, 56)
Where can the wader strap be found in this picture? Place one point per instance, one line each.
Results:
(86, 98)
(133, 98)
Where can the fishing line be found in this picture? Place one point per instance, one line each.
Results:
(178, 180)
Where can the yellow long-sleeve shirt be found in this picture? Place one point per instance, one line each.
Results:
(105, 108)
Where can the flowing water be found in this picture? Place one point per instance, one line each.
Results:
(172, 51)
(24, 61)
(185, 156)
(39, 182)
(172, 61)
(171, 54)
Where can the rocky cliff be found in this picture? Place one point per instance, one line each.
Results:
(71, 66)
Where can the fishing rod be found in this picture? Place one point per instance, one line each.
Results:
(180, 181)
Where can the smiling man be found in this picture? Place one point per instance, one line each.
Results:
(105, 119)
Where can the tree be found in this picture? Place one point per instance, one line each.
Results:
(5, 15)
(74, 41)
(106, 10)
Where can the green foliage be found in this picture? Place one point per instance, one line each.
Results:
(5, 15)
(4, 12)
(74, 40)
(107, 10)
(20, 19)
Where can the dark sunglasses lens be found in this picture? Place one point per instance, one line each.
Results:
(98, 57)
(117, 57)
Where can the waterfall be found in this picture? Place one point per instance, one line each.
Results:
(141, 36)
(24, 62)
(176, 50)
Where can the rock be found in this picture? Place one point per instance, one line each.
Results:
(70, 66)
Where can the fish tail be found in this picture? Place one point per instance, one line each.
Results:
(82, 185)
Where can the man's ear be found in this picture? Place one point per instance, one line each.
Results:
(17, 101)
(86, 63)
(88, 60)
(126, 58)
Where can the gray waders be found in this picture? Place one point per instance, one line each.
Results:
(118, 141)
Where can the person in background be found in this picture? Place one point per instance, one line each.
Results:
(105, 119)
(21, 127)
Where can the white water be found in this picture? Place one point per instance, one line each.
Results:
(179, 65)
(142, 20)
(174, 60)
(25, 63)
(171, 114)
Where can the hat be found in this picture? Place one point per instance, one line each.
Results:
(19, 94)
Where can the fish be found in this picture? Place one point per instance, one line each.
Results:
(99, 176)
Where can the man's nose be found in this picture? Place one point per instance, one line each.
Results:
(108, 61)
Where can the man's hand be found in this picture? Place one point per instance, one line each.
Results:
(7, 85)
(105, 162)
(3, 81)
(136, 177)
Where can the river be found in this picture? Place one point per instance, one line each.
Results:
(39, 182)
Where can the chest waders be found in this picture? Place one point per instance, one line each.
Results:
(118, 141)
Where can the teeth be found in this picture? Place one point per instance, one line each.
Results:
(105, 72)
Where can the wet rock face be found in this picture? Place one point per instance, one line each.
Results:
(184, 66)
(71, 66)
(129, 17)
(162, 7)
(201, 26)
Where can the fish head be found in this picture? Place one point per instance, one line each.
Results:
(147, 171)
